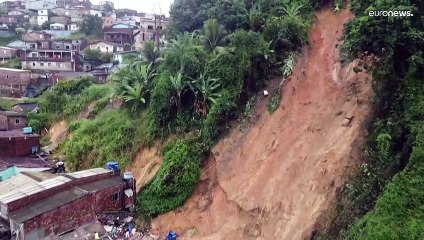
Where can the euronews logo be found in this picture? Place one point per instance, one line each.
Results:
(393, 13)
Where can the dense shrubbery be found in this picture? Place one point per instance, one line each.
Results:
(111, 135)
(395, 132)
(204, 76)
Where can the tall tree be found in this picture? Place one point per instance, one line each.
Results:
(213, 35)
(189, 15)
(185, 55)
(91, 25)
(231, 13)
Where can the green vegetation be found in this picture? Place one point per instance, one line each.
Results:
(91, 25)
(213, 64)
(216, 60)
(6, 40)
(67, 99)
(384, 200)
(13, 63)
(7, 103)
(96, 55)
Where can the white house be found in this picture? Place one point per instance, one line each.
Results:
(73, 26)
(43, 12)
(15, 13)
(42, 19)
(57, 26)
(106, 47)
(40, 4)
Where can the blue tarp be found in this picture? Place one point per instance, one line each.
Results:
(171, 236)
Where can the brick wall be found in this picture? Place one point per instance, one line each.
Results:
(14, 77)
(17, 147)
(3, 123)
(16, 122)
(76, 213)
(15, 205)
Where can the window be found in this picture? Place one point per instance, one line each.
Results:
(7, 76)
(58, 64)
(150, 27)
(49, 64)
(42, 64)
(115, 197)
(67, 47)
(33, 64)
(17, 121)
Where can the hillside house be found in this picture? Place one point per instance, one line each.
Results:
(15, 143)
(40, 4)
(65, 20)
(14, 81)
(57, 27)
(43, 16)
(107, 47)
(44, 53)
(73, 26)
(52, 206)
(7, 53)
(108, 22)
(10, 120)
(16, 13)
(121, 34)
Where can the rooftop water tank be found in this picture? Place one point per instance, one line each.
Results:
(27, 130)
(112, 165)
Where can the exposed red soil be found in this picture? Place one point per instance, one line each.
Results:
(146, 164)
(273, 179)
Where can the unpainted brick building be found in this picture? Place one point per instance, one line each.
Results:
(60, 204)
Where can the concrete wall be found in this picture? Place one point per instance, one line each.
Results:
(45, 65)
(42, 19)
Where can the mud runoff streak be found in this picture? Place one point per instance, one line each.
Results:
(273, 179)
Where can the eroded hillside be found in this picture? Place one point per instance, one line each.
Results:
(273, 179)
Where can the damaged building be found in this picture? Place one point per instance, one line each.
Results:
(50, 207)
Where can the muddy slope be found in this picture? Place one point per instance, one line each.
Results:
(273, 179)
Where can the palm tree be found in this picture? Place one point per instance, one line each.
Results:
(208, 89)
(292, 9)
(151, 54)
(181, 50)
(213, 35)
(179, 85)
(135, 95)
(144, 73)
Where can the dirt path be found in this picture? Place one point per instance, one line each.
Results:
(273, 180)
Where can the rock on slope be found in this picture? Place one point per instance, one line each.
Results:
(273, 179)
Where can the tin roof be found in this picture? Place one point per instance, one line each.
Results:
(88, 173)
(31, 189)
(46, 205)
(16, 133)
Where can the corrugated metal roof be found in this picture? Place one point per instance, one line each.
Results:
(32, 188)
(88, 173)
(15, 182)
(62, 198)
